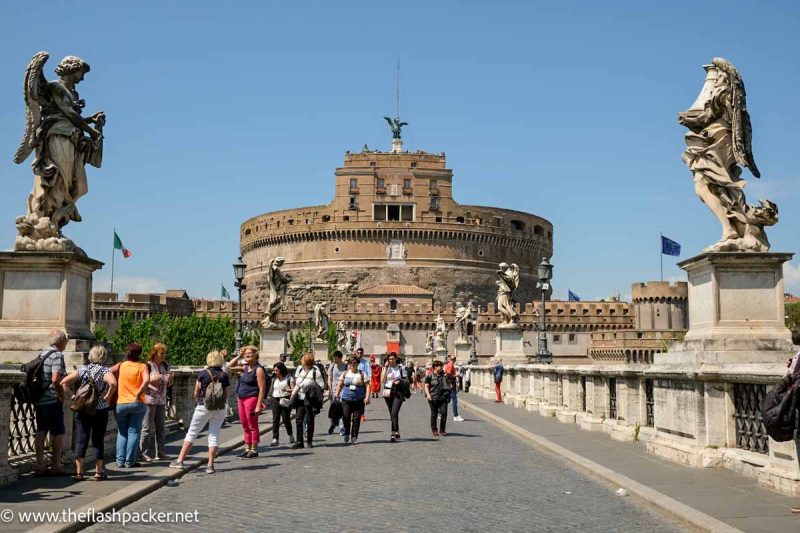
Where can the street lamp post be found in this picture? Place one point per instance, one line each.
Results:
(545, 271)
(238, 272)
(473, 352)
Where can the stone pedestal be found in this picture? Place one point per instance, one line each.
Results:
(509, 346)
(736, 304)
(273, 344)
(321, 351)
(40, 292)
(440, 354)
(463, 350)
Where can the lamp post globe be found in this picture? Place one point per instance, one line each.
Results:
(239, 267)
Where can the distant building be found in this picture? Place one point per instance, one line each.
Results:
(108, 310)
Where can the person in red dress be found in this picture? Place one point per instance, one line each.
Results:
(376, 376)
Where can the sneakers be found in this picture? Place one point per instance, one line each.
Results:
(363, 418)
(392, 438)
(354, 441)
(346, 438)
(298, 445)
(177, 464)
(210, 470)
(458, 419)
(291, 439)
(274, 442)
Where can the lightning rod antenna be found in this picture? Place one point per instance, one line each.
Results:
(398, 87)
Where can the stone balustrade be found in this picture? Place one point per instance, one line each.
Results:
(718, 412)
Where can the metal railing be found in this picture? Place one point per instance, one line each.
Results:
(22, 429)
(751, 434)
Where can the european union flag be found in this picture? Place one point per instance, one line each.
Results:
(572, 297)
(670, 247)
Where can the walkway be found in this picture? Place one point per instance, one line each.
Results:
(477, 479)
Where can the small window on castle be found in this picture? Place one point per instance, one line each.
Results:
(393, 212)
(585, 311)
(613, 312)
(407, 183)
(373, 164)
(572, 338)
(639, 335)
(518, 225)
(560, 312)
(599, 311)
(538, 230)
(438, 219)
(379, 183)
(247, 231)
(434, 204)
(414, 165)
(434, 185)
(379, 212)
(326, 218)
(480, 253)
(353, 203)
(354, 183)
(549, 235)
(346, 218)
(498, 221)
(290, 222)
(393, 305)
(308, 221)
(407, 213)
(556, 339)
(460, 220)
(573, 311)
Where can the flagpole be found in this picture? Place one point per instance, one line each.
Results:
(661, 255)
(112, 261)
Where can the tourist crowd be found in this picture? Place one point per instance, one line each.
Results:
(136, 392)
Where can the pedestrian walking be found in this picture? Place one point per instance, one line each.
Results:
(306, 397)
(460, 377)
(251, 390)
(280, 391)
(450, 372)
(353, 391)
(132, 382)
(92, 425)
(793, 378)
(394, 385)
(499, 370)
(210, 395)
(365, 366)
(467, 378)
(375, 377)
(336, 369)
(155, 401)
(49, 408)
(437, 391)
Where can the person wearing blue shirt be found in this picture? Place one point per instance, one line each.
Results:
(499, 370)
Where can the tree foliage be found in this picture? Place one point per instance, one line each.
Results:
(188, 339)
(299, 341)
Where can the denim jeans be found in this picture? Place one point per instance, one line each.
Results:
(129, 429)
(454, 398)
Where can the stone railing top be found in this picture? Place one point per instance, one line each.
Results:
(10, 376)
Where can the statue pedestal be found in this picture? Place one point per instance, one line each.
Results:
(321, 351)
(273, 344)
(440, 354)
(40, 292)
(509, 346)
(463, 350)
(736, 310)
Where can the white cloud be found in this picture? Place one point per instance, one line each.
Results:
(129, 284)
(791, 278)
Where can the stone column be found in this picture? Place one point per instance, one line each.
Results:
(596, 403)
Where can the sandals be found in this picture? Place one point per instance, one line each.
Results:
(78, 477)
(100, 476)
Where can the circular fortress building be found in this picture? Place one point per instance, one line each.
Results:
(393, 224)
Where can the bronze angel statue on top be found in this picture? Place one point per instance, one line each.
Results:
(718, 143)
(396, 126)
(63, 142)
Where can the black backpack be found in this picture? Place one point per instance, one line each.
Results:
(779, 411)
(32, 389)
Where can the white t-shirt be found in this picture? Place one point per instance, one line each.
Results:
(281, 388)
(303, 379)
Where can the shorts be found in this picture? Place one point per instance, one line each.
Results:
(50, 418)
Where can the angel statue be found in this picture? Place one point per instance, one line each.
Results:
(321, 320)
(352, 341)
(440, 333)
(461, 316)
(278, 283)
(506, 285)
(341, 335)
(718, 143)
(429, 343)
(63, 142)
(396, 126)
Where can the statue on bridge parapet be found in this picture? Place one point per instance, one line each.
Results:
(506, 285)
(278, 284)
(341, 335)
(460, 323)
(321, 320)
(64, 141)
(718, 142)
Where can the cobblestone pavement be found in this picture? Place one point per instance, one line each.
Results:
(478, 478)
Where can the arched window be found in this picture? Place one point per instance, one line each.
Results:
(518, 225)
(538, 230)
(393, 305)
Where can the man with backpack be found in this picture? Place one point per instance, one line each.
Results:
(49, 401)
(438, 391)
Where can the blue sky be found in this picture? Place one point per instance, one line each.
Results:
(218, 111)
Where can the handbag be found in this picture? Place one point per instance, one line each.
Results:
(85, 399)
(294, 399)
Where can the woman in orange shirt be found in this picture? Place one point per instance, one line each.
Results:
(133, 380)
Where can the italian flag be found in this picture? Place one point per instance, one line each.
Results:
(118, 246)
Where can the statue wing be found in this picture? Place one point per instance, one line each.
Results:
(391, 124)
(402, 124)
(741, 128)
(34, 89)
